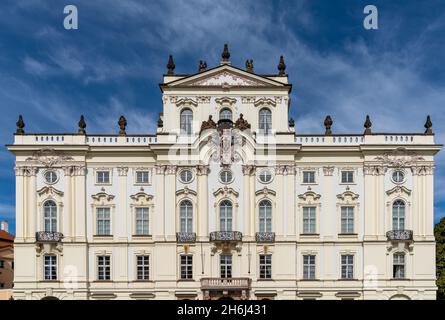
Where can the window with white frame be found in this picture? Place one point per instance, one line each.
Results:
(347, 176)
(347, 219)
(186, 176)
(142, 222)
(225, 215)
(103, 177)
(225, 263)
(103, 268)
(308, 176)
(50, 216)
(186, 121)
(186, 216)
(398, 176)
(398, 265)
(265, 176)
(309, 266)
(142, 177)
(103, 221)
(50, 177)
(347, 266)
(186, 267)
(309, 220)
(265, 266)
(50, 267)
(265, 121)
(265, 215)
(143, 267)
(226, 176)
(398, 215)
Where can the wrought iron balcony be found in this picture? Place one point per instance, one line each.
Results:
(226, 236)
(225, 283)
(48, 236)
(400, 235)
(265, 237)
(185, 237)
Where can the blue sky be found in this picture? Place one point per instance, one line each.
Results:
(113, 63)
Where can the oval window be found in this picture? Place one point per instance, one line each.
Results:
(226, 176)
(50, 177)
(265, 176)
(398, 176)
(186, 176)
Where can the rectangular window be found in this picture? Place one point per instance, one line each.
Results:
(347, 177)
(102, 177)
(142, 177)
(265, 266)
(186, 267)
(103, 221)
(50, 267)
(308, 267)
(226, 266)
(308, 176)
(143, 267)
(347, 219)
(347, 266)
(2, 264)
(2, 285)
(309, 220)
(142, 221)
(399, 266)
(103, 268)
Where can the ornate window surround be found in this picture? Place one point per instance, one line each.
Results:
(300, 263)
(348, 199)
(354, 175)
(226, 103)
(317, 175)
(141, 200)
(352, 253)
(96, 265)
(398, 193)
(103, 200)
(408, 252)
(186, 194)
(226, 193)
(41, 267)
(45, 194)
(260, 195)
(150, 255)
(110, 170)
(309, 199)
(144, 169)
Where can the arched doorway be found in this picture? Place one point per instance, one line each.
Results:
(49, 298)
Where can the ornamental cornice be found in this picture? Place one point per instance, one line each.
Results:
(26, 171)
(285, 169)
(374, 170)
(423, 170)
(399, 158)
(49, 157)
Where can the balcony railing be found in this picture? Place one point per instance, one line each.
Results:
(185, 237)
(225, 283)
(49, 236)
(400, 235)
(226, 236)
(265, 237)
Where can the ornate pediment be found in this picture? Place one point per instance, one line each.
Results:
(399, 190)
(264, 101)
(400, 157)
(186, 191)
(186, 101)
(309, 196)
(49, 157)
(102, 196)
(49, 191)
(347, 196)
(141, 196)
(225, 191)
(265, 191)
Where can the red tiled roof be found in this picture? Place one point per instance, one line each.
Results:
(5, 236)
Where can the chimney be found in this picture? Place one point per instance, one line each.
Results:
(4, 225)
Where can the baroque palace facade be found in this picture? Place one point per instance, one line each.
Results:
(226, 201)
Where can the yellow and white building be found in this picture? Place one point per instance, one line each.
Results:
(240, 205)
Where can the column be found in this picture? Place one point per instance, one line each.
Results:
(247, 195)
(32, 203)
(19, 204)
(158, 217)
(370, 201)
(121, 211)
(170, 203)
(329, 207)
(202, 211)
(79, 205)
(280, 206)
(67, 216)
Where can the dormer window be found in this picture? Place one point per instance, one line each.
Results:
(265, 121)
(225, 114)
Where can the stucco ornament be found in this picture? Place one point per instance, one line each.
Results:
(227, 142)
(49, 157)
(399, 158)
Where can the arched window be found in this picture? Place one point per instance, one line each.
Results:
(225, 216)
(225, 114)
(186, 216)
(398, 215)
(50, 216)
(186, 121)
(265, 216)
(265, 120)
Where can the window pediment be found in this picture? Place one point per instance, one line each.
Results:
(347, 196)
(186, 101)
(50, 190)
(264, 101)
(186, 191)
(102, 197)
(141, 197)
(265, 191)
(226, 192)
(399, 190)
(309, 196)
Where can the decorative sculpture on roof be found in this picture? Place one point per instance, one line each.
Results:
(249, 65)
(122, 125)
(281, 67)
(82, 125)
(20, 125)
(328, 124)
(209, 124)
(170, 66)
(242, 124)
(428, 125)
(202, 66)
(367, 125)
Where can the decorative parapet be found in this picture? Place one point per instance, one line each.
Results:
(225, 283)
(400, 235)
(48, 236)
(185, 237)
(226, 236)
(265, 237)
